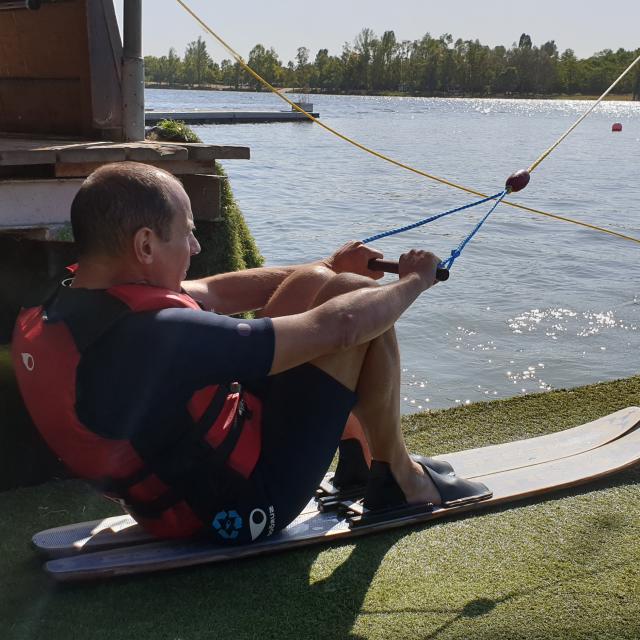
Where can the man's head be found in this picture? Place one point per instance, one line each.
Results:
(139, 216)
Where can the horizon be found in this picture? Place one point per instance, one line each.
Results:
(285, 25)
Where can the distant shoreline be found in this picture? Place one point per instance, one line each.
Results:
(626, 97)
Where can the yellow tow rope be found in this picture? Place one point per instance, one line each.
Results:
(420, 172)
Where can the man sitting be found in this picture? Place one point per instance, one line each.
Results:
(198, 421)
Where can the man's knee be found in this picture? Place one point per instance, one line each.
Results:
(297, 292)
(307, 278)
(343, 283)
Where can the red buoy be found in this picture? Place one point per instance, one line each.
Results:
(616, 127)
(517, 181)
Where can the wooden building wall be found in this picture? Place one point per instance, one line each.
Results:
(60, 70)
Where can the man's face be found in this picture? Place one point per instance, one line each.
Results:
(172, 257)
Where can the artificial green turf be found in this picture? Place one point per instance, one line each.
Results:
(567, 566)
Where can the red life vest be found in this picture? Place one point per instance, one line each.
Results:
(227, 425)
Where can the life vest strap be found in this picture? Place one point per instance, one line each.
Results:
(212, 412)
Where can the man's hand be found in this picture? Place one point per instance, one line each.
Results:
(424, 263)
(353, 257)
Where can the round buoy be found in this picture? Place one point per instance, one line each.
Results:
(517, 181)
(616, 127)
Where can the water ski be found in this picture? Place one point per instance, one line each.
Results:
(516, 470)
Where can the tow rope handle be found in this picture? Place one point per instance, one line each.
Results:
(391, 266)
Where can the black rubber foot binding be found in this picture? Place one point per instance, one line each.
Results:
(384, 499)
(352, 475)
(349, 482)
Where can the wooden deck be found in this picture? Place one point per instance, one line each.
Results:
(23, 152)
(39, 177)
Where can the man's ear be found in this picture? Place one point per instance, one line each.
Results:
(143, 244)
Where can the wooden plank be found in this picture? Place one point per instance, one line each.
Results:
(204, 191)
(36, 202)
(22, 142)
(149, 152)
(15, 157)
(201, 151)
(27, 233)
(26, 151)
(105, 55)
(91, 153)
(217, 152)
(83, 169)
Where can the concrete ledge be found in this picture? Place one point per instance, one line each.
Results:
(226, 117)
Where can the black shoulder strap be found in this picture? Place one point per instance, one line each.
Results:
(89, 313)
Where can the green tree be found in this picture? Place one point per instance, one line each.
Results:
(547, 77)
(265, 63)
(364, 46)
(151, 69)
(230, 73)
(507, 80)
(569, 72)
(428, 66)
(197, 63)
(522, 58)
(173, 66)
(302, 68)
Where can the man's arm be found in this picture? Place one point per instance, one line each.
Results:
(238, 291)
(251, 289)
(352, 318)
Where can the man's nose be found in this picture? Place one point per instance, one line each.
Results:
(194, 245)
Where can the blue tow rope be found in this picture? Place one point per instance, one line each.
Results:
(448, 263)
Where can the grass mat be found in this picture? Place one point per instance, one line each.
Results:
(567, 566)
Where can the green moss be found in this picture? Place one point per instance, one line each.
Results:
(227, 244)
(176, 130)
(62, 233)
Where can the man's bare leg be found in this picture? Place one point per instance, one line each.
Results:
(373, 371)
(298, 293)
(353, 431)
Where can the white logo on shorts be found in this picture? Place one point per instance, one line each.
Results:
(257, 522)
(28, 361)
(272, 520)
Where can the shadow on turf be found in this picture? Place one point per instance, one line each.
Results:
(588, 544)
(483, 606)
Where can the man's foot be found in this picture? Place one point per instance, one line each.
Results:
(352, 472)
(418, 484)
(439, 466)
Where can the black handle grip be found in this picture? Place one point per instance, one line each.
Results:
(391, 266)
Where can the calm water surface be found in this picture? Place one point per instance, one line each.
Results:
(532, 304)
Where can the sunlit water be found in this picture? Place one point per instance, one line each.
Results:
(532, 304)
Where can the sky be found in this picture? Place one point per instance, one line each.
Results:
(585, 26)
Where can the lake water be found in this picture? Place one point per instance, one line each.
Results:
(532, 304)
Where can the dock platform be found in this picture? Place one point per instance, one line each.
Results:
(198, 116)
(39, 177)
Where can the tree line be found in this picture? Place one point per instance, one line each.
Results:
(429, 66)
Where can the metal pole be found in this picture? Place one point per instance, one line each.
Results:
(133, 72)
